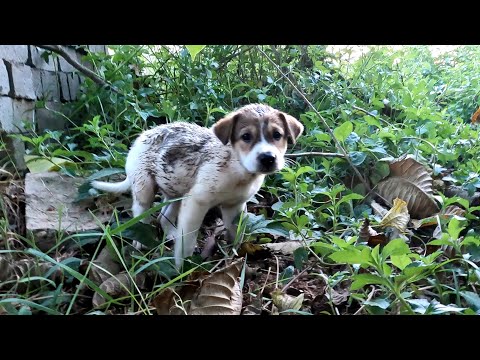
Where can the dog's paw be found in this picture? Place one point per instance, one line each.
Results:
(137, 245)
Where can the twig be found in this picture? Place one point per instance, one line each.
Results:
(337, 143)
(368, 299)
(58, 49)
(314, 153)
(295, 278)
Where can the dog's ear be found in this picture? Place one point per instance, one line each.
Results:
(223, 128)
(293, 127)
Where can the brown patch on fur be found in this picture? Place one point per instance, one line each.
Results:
(293, 126)
(275, 124)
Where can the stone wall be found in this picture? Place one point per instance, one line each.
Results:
(25, 77)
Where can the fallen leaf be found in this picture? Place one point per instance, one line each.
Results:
(119, 286)
(218, 293)
(286, 248)
(105, 264)
(286, 302)
(410, 181)
(254, 251)
(397, 217)
(372, 237)
(450, 211)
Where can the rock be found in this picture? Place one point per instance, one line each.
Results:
(51, 208)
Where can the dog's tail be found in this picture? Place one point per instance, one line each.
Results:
(118, 187)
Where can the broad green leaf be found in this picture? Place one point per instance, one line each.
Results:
(357, 157)
(349, 197)
(194, 50)
(300, 255)
(400, 261)
(395, 247)
(380, 302)
(105, 172)
(361, 280)
(471, 298)
(342, 132)
(352, 256)
(304, 169)
(39, 164)
(455, 227)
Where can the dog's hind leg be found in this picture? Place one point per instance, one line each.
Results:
(168, 217)
(143, 194)
(190, 219)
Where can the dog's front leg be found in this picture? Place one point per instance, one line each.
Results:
(189, 221)
(229, 213)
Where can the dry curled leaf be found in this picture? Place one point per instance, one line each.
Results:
(450, 211)
(410, 181)
(286, 247)
(118, 286)
(216, 294)
(286, 302)
(373, 238)
(102, 266)
(397, 217)
(254, 251)
(219, 293)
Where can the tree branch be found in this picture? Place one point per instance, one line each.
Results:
(314, 153)
(58, 49)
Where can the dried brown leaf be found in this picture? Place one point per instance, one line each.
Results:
(105, 264)
(219, 293)
(118, 286)
(409, 180)
(397, 217)
(476, 116)
(286, 247)
(452, 210)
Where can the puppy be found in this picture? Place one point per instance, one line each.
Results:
(220, 166)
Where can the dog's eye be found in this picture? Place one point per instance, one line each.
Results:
(246, 137)
(277, 135)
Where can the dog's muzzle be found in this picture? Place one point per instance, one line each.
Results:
(267, 162)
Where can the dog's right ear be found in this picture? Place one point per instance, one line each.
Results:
(223, 128)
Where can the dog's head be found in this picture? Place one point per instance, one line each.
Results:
(260, 135)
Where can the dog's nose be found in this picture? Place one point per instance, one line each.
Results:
(267, 159)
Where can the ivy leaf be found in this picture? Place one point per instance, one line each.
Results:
(194, 50)
(342, 132)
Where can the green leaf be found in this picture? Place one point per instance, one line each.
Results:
(300, 255)
(361, 280)
(304, 169)
(349, 197)
(194, 50)
(39, 164)
(342, 132)
(400, 261)
(104, 173)
(352, 256)
(455, 227)
(471, 298)
(380, 302)
(357, 157)
(395, 247)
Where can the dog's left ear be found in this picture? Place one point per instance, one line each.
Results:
(223, 128)
(293, 127)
